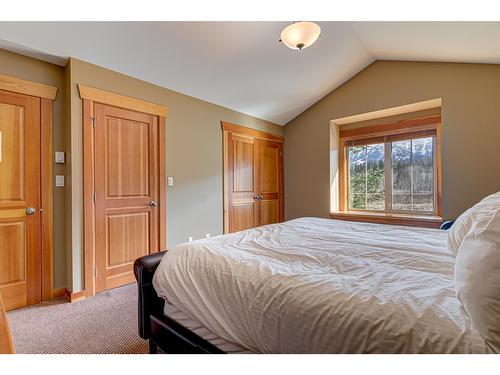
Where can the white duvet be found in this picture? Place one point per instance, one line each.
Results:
(322, 286)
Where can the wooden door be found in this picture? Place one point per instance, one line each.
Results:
(127, 192)
(253, 177)
(243, 210)
(20, 233)
(270, 181)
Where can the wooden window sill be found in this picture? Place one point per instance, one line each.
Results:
(389, 218)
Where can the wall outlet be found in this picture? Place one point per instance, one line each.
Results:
(207, 235)
(190, 239)
(170, 181)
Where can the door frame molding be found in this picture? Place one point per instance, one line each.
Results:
(244, 131)
(89, 96)
(22, 86)
(122, 101)
(47, 95)
(249, 132)
(47, 197)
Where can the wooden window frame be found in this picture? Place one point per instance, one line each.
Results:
(47, 95)
(89, 96)
(405, 129)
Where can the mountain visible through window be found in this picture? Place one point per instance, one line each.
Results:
(392, 175)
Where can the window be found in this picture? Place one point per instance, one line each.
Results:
(367, 176)
(392, 168)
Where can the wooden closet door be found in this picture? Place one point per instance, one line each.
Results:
(127, 192)
(20, 224)
(269, 160)
(243, 207)
(254, 180)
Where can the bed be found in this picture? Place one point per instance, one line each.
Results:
(307, 285)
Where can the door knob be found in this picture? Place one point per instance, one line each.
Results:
(30, 210)
(258, 197)
(154, 204)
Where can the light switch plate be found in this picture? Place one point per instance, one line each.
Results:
(170, 181)
(59, 180)
(59, 157)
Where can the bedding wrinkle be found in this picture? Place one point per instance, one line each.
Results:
(315, 285)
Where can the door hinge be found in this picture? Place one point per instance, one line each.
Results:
(94, 120)
(95, 272)
(93, 197)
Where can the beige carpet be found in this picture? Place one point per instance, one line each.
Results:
(106, 323)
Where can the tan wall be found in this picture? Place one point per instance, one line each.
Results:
(470, 130)
(23, 67)
(194, 156)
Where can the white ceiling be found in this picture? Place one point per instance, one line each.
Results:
(241, 65)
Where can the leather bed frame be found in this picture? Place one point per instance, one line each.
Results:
(160, 330)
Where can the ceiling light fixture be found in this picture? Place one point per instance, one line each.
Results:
(300, 35)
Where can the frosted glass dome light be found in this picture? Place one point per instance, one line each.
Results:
(300, 35)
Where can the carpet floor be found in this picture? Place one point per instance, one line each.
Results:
(104, 324)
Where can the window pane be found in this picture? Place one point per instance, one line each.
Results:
(366, 177)
(401, 167)
(423, 202)
(413, 175)
(401, 202)
(423, 174)
(357, 201)
(375, 202)
(357, 169)
(375, 169)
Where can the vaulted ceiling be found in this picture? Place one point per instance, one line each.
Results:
(242, 65)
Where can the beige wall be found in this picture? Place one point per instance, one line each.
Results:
(470, 130)
(23, 67)
(194, 156)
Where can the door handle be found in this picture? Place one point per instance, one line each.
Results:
(154, 204)
(30, 211)
(258, 197)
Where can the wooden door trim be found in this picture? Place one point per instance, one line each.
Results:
(162, 167)
(249, 132)
(88, 191)
(88, 198)
(225, 183)
(31, 88)
(282, 183)
(227, 130)
(122, 101)
(47, 197)
(6, 342)
(47, 95)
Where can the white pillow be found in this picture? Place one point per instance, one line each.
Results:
(462, 225)
(459, 230)
(493, 199)
(477, 272)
